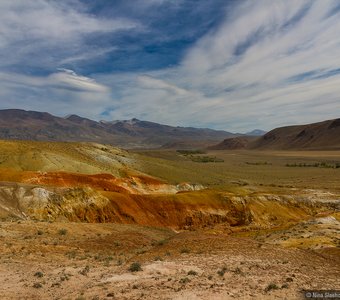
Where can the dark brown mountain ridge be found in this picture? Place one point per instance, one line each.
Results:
(41, 126)
(316, 136)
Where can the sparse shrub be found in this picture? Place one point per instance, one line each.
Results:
(40, 232)
(206, 159)
(289, 279)
(258, 163)
(158, 258)
(222, 271)
(71, 254)
(185, 250)
(64, 277)
(187, 152)
(184, 280)
(85, 271)
(135, 267)
(271, 286)
(284, 286)
(161, 242)
(210, 277)
(141, 251)
(238, 271)
(39, 274)
(108, 259)
(315, 165)
(192, 272)
(37, 285)
(62, 231)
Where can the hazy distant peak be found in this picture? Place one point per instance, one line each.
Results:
(256, 132)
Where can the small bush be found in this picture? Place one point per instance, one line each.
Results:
(271, 286)
(187, 152)
(185, 250)
(222, 271)
(160, 243)
(40, 232)
(135, 267)
(71, 254)
(62, 231)
(192, 272)
(238, 271)
(158, 258)
(315, 165)
(206, 159)
(184, 280)
(37, 285)
(84, 271)
(108, 259)
(65, 277)
(258, 163)
(39, 274)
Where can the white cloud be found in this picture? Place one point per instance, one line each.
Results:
(249, 72)
(63, 79)
(68, 79)
(271, 63)
(60, 93)
(30, 29)
(52, 20)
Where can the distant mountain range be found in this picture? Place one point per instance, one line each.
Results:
(317, 136)
(42, 126)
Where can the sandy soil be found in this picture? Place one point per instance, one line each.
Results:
(41, 260)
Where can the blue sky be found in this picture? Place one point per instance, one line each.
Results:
(234, 65)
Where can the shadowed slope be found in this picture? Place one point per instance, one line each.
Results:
(317, 136)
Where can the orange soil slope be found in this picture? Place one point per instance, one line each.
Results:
(139, 200)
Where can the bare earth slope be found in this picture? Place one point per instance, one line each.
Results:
(317, 136)
(240, 142)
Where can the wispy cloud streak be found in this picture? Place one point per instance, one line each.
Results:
(267, 64)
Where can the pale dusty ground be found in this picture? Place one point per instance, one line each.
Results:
(91, 261)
